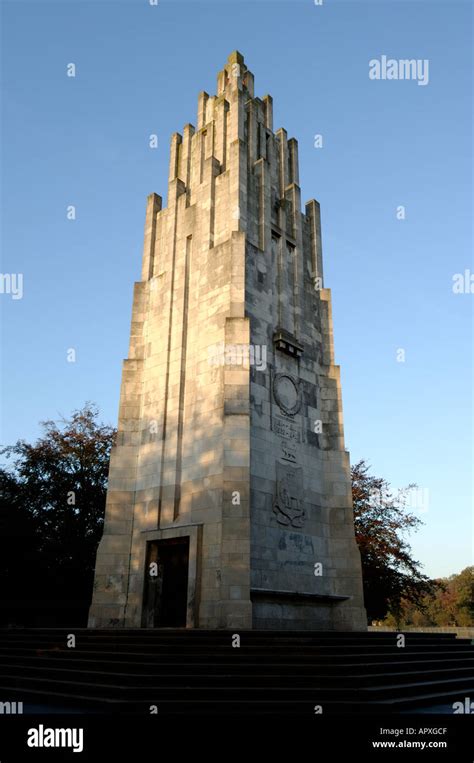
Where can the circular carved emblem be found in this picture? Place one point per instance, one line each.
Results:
(286, 393)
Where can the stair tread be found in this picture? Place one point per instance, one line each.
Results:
(350, 689)
(81, 671)
(100, 700)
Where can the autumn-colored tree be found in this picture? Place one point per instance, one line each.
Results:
(390, 574)
(464, 587)
(52, 504)
(451, 605)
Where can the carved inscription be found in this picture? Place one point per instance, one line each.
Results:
(286, 429)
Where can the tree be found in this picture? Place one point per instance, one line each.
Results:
(390, 575)
(463, 584)
(452, 604)
(52, 507)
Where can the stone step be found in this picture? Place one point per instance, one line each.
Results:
(235, 667)
(238, 655)
(198, 633)
(50, 699)
(102, 685)
(206, 678)
(171, 651)
(206, 675)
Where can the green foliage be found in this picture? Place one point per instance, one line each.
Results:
(52, 505)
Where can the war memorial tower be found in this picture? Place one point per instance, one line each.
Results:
(229, 499)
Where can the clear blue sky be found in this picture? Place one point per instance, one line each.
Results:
(84, 141)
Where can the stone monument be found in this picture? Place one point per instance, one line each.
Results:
(229, 498)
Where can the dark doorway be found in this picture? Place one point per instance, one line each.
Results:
(166, 583)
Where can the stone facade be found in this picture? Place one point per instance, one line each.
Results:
(230, 428)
